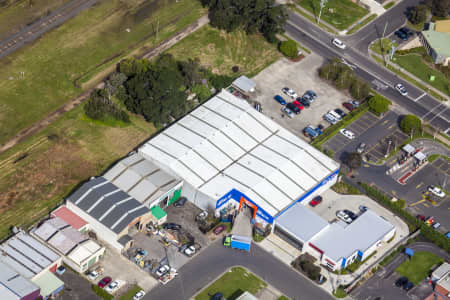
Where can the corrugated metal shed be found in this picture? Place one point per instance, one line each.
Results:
(84, 251)
(244, 83)
(69, 217)
(48, 283)
(225, 144)
(12, 284)
(26, 255)
(140, 178)
(108, 204)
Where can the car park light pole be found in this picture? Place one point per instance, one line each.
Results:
(322, 5)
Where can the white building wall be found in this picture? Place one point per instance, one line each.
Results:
(388, 236)
(320, 190)
(369, 251)
(102, 232)
(198, 198)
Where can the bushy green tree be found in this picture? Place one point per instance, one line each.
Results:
(289, 48)
(360, 89)
(263, 16)
(378, 104)
(99, 107)
(410, 123)
(418, 14)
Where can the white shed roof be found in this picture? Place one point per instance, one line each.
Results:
(408, 148)
(84, 251)
(140, 178)
(339, 241)
(420, 156)
(244, 83)
(301, 222)
(226, 144)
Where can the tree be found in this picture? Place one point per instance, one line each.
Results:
(353, 160)
(360, 89)
(344, 78)
(252, 16)
(418, 14)
(440, 8)
(191, 71)
(289, 48)
(410, 124)
(378, 104)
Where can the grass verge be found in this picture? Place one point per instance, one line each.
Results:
(340, 292)
(232, 284)
(344, 188)
(312, 19)
(418, 267)
(389, 5)
(363, 23)
(219, 51)
(300, 46)
(382, 46)
(77, 49)
(130, 293)
(102, 293)
(338, 13)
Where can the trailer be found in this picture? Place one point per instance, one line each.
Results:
(238, 242)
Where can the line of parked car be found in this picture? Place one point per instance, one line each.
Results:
(348, 216)
(336, 115)
(300, 103)
(404, 283)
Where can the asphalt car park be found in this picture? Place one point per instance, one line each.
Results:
(359, 126)
(300, 77)
(75, 287)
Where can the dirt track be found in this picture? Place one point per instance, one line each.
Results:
(53, 116)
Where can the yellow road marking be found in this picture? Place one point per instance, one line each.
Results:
(419, 185)
(385, 121)
(418, 202)
(426, 205)
(390, 127)
(366, 165)
(393, 192)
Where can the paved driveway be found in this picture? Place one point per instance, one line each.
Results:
(213, 261)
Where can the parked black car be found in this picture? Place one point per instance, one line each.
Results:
(340, 112)
(351, 214)
(171, 226)
(401, 281)
(401, 35)
(294, 108)
(406, 31)
(180, 202)
(303, 101)
(408, 285)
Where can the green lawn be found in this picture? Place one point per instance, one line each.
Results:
(384, 47)
(220, 51)
(21, 12)
(419, 266)
(130, 293)
(362, 24)
(389, 5)
(311, 19)
(84, 44)
(340, 293)
(232, 284)
(338, 13)
(415, 64)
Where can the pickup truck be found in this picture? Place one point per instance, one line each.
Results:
(140, 255)
(238, 242)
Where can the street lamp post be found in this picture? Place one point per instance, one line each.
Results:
(322, 5)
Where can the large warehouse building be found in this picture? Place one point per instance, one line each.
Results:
(227, 153)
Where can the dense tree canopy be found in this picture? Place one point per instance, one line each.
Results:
(289, 48)
(253, 16)
(410, 124)
(353, 160)
(439, 8)
(378, 104)
(100, 107)
(417, 14)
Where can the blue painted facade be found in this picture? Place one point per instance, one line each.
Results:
(344, 260)
(236, 196)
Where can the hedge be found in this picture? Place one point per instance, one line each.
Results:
(428, 232)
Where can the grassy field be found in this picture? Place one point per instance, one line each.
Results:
(220, 51)
(415, 64)
(418, 267)
(311, 19)
(82, 45)
(36, 175)
(338, 13)
(232, 284)
(384, 47)
(22, 12)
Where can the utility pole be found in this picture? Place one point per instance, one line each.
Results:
(157, 29)
(322, 4)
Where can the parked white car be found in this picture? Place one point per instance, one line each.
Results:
(288, 112)
(93, 275)
(289, 92)
(436, 191)
(189, 251)
(347, 133)
(401, 89)
(330, 119)
(343, 216)
(139, 295)
(162, 270)
(338, 43)
(112, 287)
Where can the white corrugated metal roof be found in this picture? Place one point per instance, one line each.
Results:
(226, 144)
(84, 251)
(339, 242)
(244, 83)
(140, 178)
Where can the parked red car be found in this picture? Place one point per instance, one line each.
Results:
(316, 201)
(298, 104)
(349, 106)
(421, 217)
(219, 229)
(104, 282)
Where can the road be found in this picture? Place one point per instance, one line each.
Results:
(319, 41)
(33, 31)
(216, 259)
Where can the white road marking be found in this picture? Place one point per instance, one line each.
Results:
(430, 111)
(418, 98)
(438, 115)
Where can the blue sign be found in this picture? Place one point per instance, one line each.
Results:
(236, 196)
(306, 195)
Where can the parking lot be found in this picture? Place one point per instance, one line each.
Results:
(359, 126)
(299, 76)
(76, 287)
